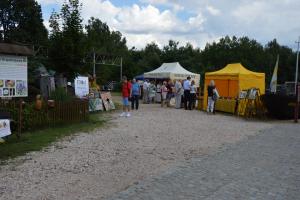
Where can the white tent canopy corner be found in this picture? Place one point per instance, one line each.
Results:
(173, 71)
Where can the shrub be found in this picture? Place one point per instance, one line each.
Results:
(60, 94)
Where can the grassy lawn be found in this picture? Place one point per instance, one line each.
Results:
(35, 141)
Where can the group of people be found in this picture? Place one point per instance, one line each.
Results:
(185, 93)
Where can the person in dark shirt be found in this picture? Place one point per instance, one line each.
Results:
(210, 95)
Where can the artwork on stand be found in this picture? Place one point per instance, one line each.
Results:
(107, 101)
(252, 93)
(95, 104)
(243, 94)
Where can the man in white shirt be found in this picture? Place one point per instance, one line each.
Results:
(187, 96)
(146, 91)
(178, 94)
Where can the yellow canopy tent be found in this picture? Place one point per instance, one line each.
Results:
(232, 79)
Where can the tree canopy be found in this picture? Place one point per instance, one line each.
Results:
(71, 41)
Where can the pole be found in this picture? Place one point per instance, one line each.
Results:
(297, 64)
(94, 64)
(297, 103)
(121, 69)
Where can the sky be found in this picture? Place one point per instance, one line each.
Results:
(195, 21)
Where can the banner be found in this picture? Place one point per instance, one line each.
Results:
(13, 76)
(4, 128)
(81, 86)
(273, 84)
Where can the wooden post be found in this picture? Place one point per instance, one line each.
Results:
(20, 118)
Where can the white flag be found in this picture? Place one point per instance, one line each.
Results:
(273, 84)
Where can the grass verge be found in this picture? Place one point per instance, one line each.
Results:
(37, 140)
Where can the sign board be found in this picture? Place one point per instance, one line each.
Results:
(13, 76)
(81, 86)
(107, 101)
(95, 104)
(4, 128)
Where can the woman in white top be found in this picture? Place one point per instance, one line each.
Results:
(193, 94)
(164, 92)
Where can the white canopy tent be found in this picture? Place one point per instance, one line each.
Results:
(173, 71)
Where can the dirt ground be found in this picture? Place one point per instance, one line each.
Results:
(97, 165)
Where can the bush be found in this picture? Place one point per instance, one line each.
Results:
(60, 94)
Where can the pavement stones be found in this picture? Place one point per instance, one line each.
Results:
(266, 167)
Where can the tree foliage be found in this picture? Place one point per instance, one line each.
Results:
(22, 22)
(66, 50)
(71, 42)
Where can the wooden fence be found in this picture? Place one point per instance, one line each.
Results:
(26, 117)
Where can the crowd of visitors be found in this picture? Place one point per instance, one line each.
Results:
(184, 92)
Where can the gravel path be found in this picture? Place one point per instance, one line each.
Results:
(264, 167)
(99, 164)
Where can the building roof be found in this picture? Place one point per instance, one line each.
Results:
(14, 49)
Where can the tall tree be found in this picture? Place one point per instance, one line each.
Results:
(67, 49)
(21, 21)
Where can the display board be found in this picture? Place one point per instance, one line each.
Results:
(95, 104)
(107, 101)
(4, 128)
(81, 86)
(13, 76)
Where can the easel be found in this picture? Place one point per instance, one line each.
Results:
(251, 105)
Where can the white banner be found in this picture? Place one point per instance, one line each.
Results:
(4, 128)
(81, 86)
(13, 76)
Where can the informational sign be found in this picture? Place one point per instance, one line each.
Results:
(4, 128)
(81, 86)
(13, 76)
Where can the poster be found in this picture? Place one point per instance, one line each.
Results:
(81, 86)
(4, 128)
(95, 104)
(13, 76)
(107, 101)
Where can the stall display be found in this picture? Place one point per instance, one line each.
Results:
(172, 71)
(232, 79)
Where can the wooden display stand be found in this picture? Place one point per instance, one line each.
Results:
(250, 104)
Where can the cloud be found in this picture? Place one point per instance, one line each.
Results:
(194, 21)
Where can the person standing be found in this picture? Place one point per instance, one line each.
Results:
(135, 95)
(212, 96)
(187, 90)
(126, 92)
(193, 95)
(164, 92)
(178, 94)
(170, 87)
(146, 91)
(152, 92)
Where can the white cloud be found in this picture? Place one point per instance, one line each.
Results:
(212, 10)
(196, 21)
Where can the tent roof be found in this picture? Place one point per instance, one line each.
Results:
(174, 68)
(234, 69)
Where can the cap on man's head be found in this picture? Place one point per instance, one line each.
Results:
(124, 78)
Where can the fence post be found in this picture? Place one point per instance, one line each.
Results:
(20, 119)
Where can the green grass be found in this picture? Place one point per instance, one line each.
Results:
(37, 140)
